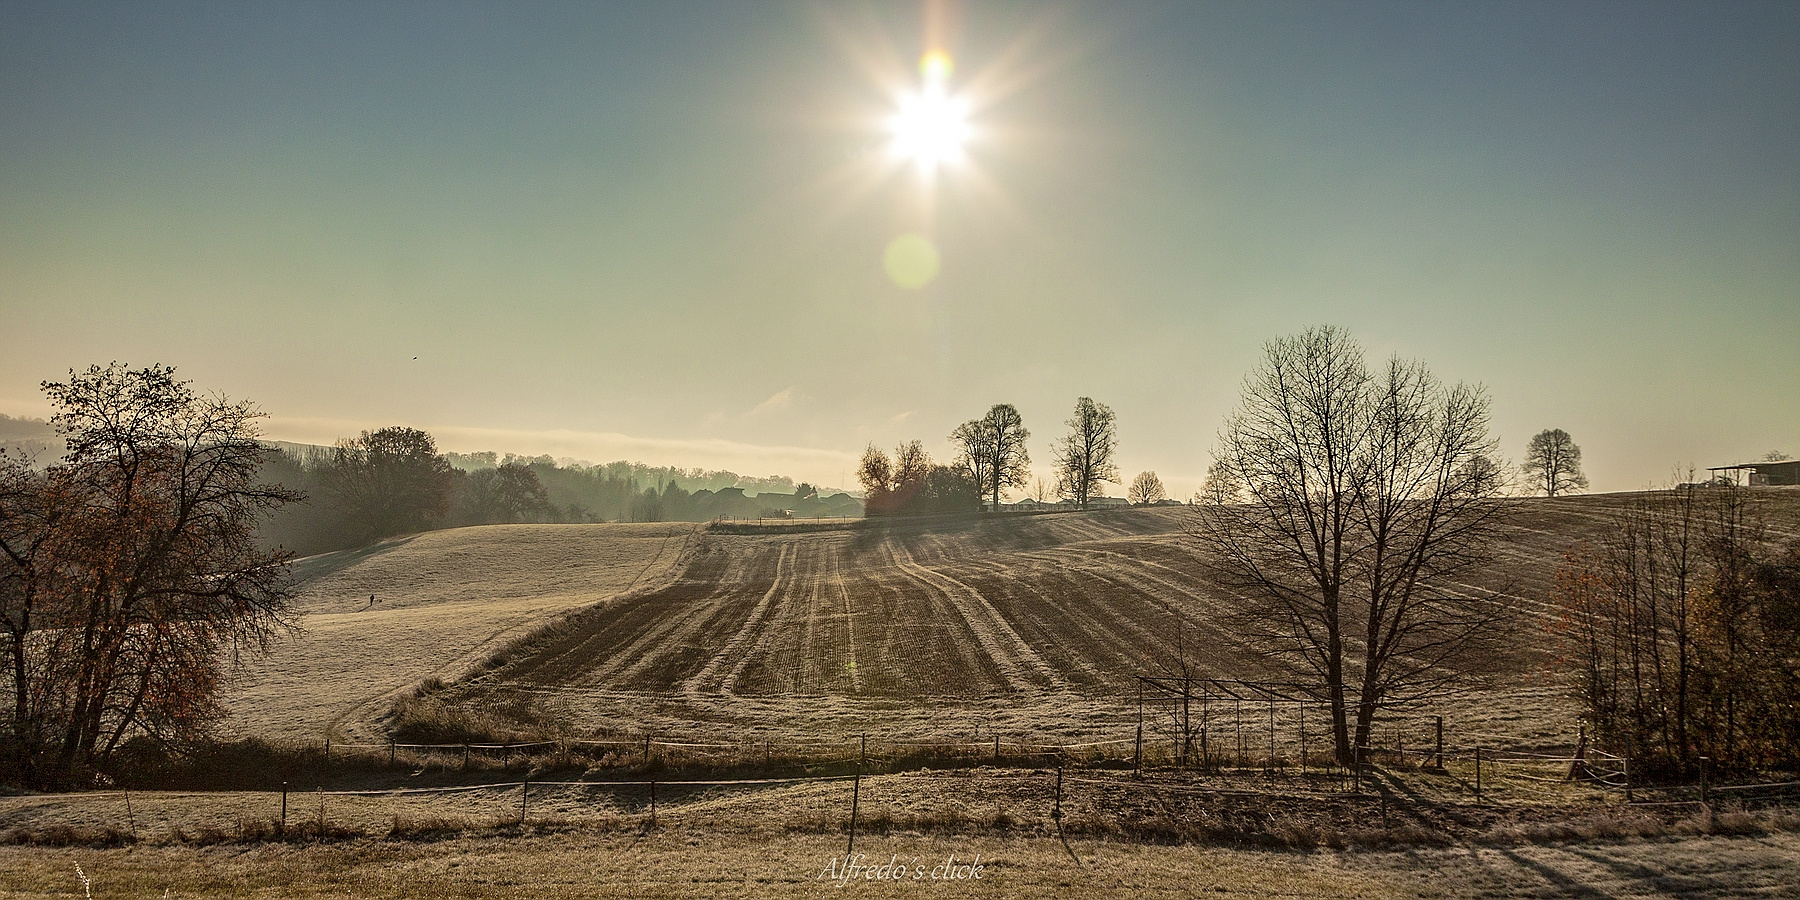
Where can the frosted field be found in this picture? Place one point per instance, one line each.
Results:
(444, 601)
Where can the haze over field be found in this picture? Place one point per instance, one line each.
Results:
(669, 233)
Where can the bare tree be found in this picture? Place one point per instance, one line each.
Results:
(1218, 489)
(1145, 490)
(876, 475)
(992, 449)
(1553, 463)
(1084, 458)
(129, 575)
(912, 465)
(1366, 496)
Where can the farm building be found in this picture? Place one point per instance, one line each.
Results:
(1783, 472)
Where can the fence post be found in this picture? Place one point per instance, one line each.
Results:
(1440, 741)
(284, 807)
(130, 818)
(855, 801)
(524, 794)
(390, 753)
(863, 764)
(328, 750)
(1303, 739)
(465, 756)
(1271, 739)
(1240, 733)
(1575, 764)
(1477, 774)
(1627, 762)
(1137, 755)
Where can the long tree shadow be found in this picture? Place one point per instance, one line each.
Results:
(319, 565)
(1567, 886)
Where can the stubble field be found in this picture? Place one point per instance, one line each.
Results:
(442, 601)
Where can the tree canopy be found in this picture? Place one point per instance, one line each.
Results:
(1084, 457)
(129, 573)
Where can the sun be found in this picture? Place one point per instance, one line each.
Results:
(931, 126)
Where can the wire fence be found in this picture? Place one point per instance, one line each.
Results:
(1037, 798)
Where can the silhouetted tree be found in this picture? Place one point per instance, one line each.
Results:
(129, 574)
(1145, 490)
(1218, 489)
(1364, 510)
(504, 494)
(1553, 463)
(876, 475)
(1084, 457)
(992, 449)
(390, 482)
(913, 484)
(911, 465)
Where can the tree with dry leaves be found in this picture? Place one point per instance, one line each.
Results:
(129, 574)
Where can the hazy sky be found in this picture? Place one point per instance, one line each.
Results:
(656, 231)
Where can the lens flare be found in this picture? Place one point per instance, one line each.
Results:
(935, 67)
(911, 261)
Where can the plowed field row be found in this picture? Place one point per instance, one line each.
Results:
(948, 627)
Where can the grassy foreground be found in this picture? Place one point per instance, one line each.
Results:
(678, 863)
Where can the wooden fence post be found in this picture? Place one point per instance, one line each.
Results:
(284, 807)
(1271, 739)
(996, 748)
(855, 802)
(1477, 774)
(1303, 739)
(1627, 762)
(1240, 732)
(524, 794)
(1440, 741)
(1137, 754)
(390, 753)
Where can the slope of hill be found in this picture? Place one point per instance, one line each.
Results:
(378, 620)
(1030, 625)
(1026, 625)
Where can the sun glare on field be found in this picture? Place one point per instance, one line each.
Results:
(931, 126)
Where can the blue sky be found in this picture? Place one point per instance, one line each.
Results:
(656, 231)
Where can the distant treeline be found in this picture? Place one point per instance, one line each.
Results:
(33, 440)
(394, 481)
